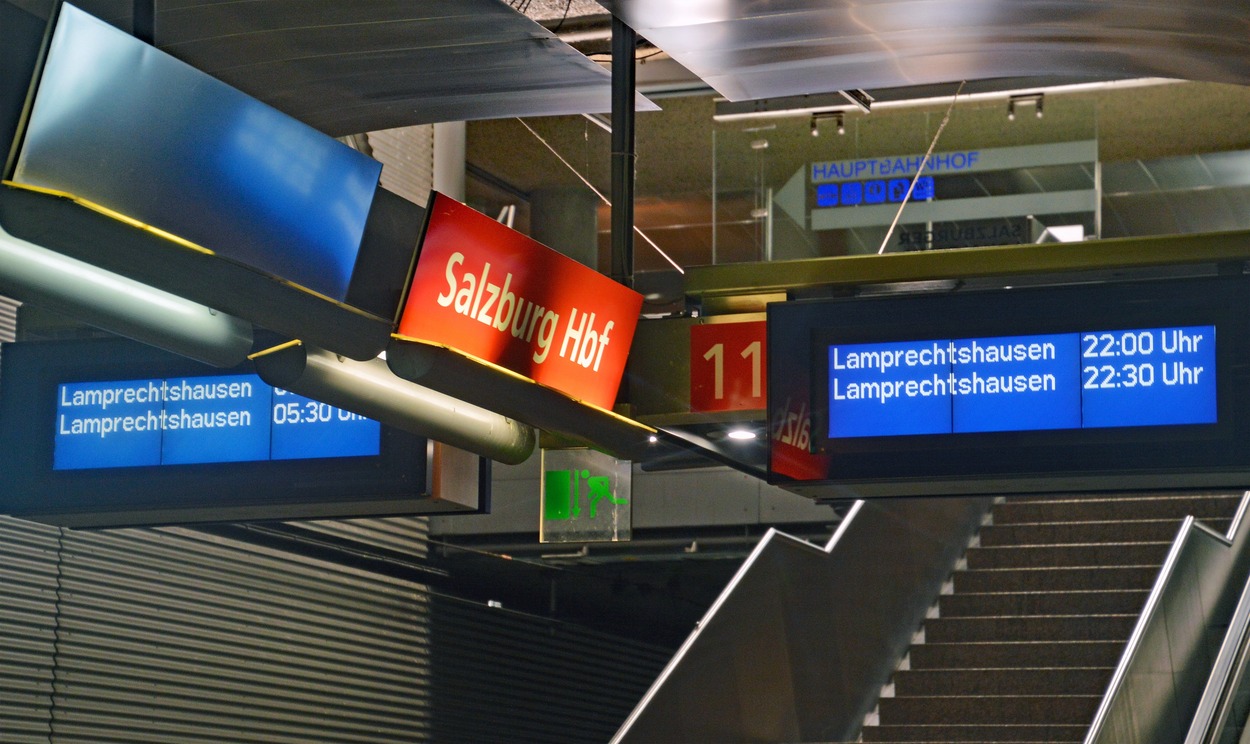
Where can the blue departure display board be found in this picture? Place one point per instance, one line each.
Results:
(1081, 380)
(1093, 385)
(199, 420)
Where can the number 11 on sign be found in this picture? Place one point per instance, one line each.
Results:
(727, 363)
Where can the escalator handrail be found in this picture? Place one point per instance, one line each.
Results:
(1227, 674)
(1190, 529)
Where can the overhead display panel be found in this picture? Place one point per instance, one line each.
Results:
(1133, 385)
(112, 433)
(1084, 380)
(201, 419)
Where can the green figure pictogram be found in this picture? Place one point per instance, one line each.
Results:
(563, 497)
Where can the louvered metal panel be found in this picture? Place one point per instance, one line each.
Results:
(407, 535)
(170, 635)
(407, 158)
(8, 321)
(510, 678)
(8, 318)
(27, 629)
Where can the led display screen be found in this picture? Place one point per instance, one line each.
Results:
(189, 420)
(1089, 379)
(1088, 386)
(110, 432)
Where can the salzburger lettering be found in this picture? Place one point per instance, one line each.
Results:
(522, 318)
(474, 296)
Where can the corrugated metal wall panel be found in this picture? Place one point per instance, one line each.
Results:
(407, 158)
(170, 635)
(8, 318)
(27, 629)
(406, 535)
(173, 635)
(509, 678)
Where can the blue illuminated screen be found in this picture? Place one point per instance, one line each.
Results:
(1084, 380)
(199, 420)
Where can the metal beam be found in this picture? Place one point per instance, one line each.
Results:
(624, 41)
(369, 388)
(1123, 253)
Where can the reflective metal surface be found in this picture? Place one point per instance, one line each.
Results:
(348, 67)
(105, 300)
(369, 388)
(135, 130)
(747, 49)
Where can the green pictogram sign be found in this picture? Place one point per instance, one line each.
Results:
(585, 497)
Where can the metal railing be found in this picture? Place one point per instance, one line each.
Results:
(1157, 687)
(797, 646)
(1222, 711)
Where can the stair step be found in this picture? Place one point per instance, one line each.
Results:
(1084, 508)
(1069, 533)
(1055, 579)
(992, 709)
(1103, 602)
(1025, 646)
(1052, 681)
(974, 734)
(1030, 628)
(1006, 655)
(1058, 556)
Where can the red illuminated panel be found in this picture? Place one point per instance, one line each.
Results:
(489, 291)
(727, 366)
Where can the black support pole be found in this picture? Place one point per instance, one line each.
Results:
(624, 42)
(143, 20)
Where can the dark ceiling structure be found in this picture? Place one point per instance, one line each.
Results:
(363, 66)
(351, 67)
(746, 49)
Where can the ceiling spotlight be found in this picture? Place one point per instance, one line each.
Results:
(1025, 98)
(741, 434)
(838, 119)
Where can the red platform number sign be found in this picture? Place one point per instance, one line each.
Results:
(727, 364)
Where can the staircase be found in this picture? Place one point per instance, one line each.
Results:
(1024, 645)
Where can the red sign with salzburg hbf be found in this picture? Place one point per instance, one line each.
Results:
(487, 290)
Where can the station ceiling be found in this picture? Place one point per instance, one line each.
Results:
(363, 66)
